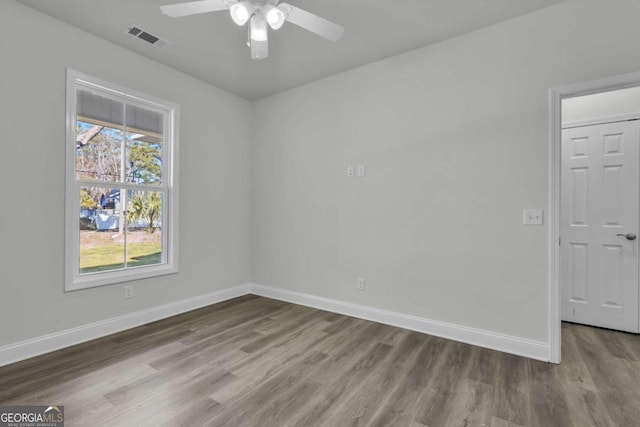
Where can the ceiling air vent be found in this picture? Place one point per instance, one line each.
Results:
(147, 37)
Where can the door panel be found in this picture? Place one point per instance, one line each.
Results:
(579, 196)
(613, 267)
(579, 272)
(600, 199)
(612, 186)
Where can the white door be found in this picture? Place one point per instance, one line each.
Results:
(599, 218)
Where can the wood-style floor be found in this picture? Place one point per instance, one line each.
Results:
(253, 361)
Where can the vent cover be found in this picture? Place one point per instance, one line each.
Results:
(145, 36)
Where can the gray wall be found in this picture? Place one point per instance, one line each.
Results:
(214, 173)
(455, 139)
(454, 136)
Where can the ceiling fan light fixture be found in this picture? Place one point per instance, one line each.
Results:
(260, 14)
(240, 13)
(258, 27)
(274, 16)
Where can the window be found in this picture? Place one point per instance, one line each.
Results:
(121, 187)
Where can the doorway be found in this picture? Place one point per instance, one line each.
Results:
(594, 206)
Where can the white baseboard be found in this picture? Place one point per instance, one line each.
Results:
(506, 343)
(34, 347)
(509, 344)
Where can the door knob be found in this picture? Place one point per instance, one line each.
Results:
(629, 236)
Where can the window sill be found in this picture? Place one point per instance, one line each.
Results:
(93, 280)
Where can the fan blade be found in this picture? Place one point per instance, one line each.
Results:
(196, 7)
(311, 22)
(259, 49)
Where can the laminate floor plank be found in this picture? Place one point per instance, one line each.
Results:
(615, 386)
(269, 400)
(402, 406)
(547, 396)
(583, 399)
(341, 387)
(257, 362)
(439, 397)
(87, 415)
(499, 422)
(484, 365)
(472, 404)
(359, 405)
(192, 415)
(205, 349)
(63, 368)
(510, 400)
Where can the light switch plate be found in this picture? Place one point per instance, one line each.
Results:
(533, 217)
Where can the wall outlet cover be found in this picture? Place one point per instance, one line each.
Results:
(128, 292)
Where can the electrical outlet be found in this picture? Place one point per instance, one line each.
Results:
(128, 292)
(350, 171)
(362, 284)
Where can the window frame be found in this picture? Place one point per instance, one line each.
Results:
(73, 280)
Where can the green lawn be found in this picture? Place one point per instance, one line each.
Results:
(109, 256)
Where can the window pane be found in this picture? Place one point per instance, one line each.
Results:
(100, 156)
(144, 161)
(144, 228)
(101, 244)
(99, 109)
(144, 145)
(99, 137)
(145, 121)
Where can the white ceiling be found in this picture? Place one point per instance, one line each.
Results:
(212, 48)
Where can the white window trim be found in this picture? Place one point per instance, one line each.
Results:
(73, 280)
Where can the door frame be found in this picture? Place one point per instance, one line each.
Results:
(556, 95)
(601, 121)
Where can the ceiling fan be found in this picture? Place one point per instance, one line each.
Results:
(259, 14)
